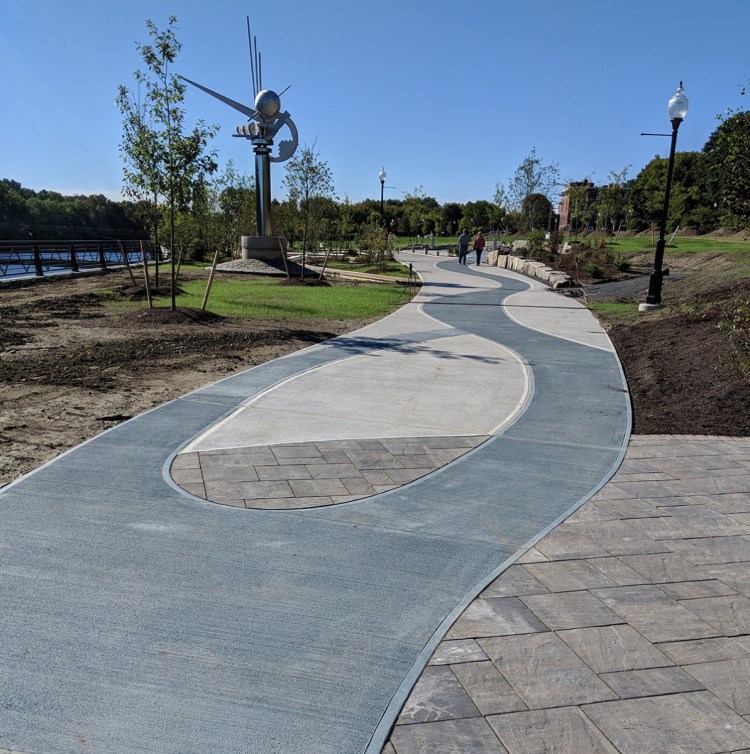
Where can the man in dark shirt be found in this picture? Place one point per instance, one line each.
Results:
(463, 246)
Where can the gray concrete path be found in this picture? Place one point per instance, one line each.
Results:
(139, 617)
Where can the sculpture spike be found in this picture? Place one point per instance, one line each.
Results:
(252, 67)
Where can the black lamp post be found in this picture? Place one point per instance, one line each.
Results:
(382, 177)
(678, 107)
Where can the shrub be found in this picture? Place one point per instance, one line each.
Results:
(594, 271)
(735, 326)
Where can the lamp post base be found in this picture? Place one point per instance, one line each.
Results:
(649, 307)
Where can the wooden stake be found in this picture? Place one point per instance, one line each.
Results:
(179, 264)
(210, 281)
(127, 261)
(325, 263)
(283, 256)
(145, 276)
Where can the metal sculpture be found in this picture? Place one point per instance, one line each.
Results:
(265, 121)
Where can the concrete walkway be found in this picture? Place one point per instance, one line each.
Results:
(140, 616)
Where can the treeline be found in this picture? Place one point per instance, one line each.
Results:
(710, 188)
(48, 215)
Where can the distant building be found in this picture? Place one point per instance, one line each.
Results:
(581, 203)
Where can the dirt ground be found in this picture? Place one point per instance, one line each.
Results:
(675, 361)
(71, 367)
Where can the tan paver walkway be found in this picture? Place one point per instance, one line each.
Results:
(625, 629)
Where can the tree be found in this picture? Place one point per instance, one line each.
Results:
(536, 212)
(532, 176)
(307, 179)
(613, 198)
(727, 154)
(688, 202)
(161, 158)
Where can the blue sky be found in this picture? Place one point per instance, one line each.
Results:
(447, 96)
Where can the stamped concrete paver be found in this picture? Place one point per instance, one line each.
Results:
(668, 580)
(563, 729)
(314, 474)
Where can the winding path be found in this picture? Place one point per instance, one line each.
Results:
(138, 617)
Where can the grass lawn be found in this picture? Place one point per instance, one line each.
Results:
(394, 269)
(267, 299)
(681, 244)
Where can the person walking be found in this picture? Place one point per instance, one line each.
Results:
(463, 246)
(479, 246)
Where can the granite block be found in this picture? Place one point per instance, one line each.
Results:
(345, 470)
(570, 610)
(437, 695)
(615, 569)
(447, 737)
(568, 575)
(707, 522)
(608, 649)
(629, 684)
(728, 679)
(318, 487)
(282, 472)
(664, 527)
(566, 543)
(730, 614)
(690, 590)
(735, 575)
(487, 688)
(713, 549)
(664, 567)
(543, 671)
(499, 616)
(692, 723)
(513, 582)
(461, 650)
(564, 730)
(654, 614)
(704, 650)
(620, 538)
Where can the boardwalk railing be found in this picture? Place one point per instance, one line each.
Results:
(39, 258)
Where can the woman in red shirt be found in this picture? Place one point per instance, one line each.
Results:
(479, 246)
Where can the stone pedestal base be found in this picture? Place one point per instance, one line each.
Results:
(649, 307)
(265, 248)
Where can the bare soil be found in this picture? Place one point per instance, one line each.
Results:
(676, 361)
(71, 366)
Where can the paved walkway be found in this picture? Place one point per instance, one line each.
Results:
(142, 614)
(625, 629)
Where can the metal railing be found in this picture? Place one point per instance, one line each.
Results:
(40, 258)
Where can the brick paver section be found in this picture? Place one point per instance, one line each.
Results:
(314, 474)
(625, 629)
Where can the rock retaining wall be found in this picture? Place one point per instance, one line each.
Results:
(538, 270)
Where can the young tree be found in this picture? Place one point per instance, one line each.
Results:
(532, 176)
(308, 178)
(614, 197)
(162, 158)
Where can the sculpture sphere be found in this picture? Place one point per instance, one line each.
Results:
(268, 103)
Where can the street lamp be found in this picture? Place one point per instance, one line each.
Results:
(382, 177)
(678, 107)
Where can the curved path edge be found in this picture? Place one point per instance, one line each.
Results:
(340, 602)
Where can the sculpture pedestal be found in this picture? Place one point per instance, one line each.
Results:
(265, 248)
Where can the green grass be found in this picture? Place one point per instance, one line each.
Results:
(394, 269)
(266, 299)
(613, 310)
(685, 244)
